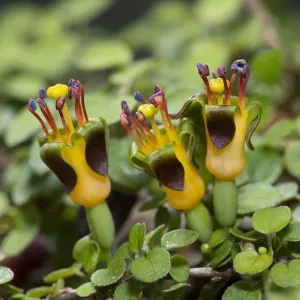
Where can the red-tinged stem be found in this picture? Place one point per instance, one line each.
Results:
(133, 136)
(241, 85)
(48, 116)
(245, 85)
(42, 124)
(205, 80)
(166, 113)
(152, 137)
(226, 100)
(78, 111)
(83, 102)
(138, 128)
(64, 122)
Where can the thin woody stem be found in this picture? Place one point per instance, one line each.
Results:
(207, 272)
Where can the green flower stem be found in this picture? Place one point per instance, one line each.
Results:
(269, 240)
(101, 226)
(225, 200)
(199, 220)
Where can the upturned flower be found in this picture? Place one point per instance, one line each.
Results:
(75, 151)
(162, 152)
(229, 120)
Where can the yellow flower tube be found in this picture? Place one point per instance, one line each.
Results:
(76, 152)
(162, 153)
(227, 127)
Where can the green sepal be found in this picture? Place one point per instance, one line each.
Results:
(220, 124)
(187, 136)
(50, 154)
(162, 164)
(256, 108)
(191, 108)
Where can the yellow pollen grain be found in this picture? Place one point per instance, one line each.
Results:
(216, 85)
(58, 90)
(148, 110)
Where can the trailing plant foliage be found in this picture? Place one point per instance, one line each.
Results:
(238, 237)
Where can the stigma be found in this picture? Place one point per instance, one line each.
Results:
(61, 93)
(219, 88)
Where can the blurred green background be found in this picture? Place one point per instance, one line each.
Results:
(116, 48)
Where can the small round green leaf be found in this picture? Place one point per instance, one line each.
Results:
(250, 262)
(87, 252)
(136, 237)
(271, 220)
(153, 267)
(291, 233)
(122, 174)
(174, 288)
(115, 270)
(286, 275)
(179, 268)
(17, 132)
(296, 214)
(287, 190)
(9, 289)
(18, 239)
(250, 236)
(39, 292)
(255, 196)
(276, 135)
(101, 55)
(4, 203)
(179, 238)
(123, 251)
(242, 290)
(217, 238)
(60, 274)
(6, 275)
(85, 290)
(162, 216)
(292, 158)
(267, 66)
(221, 253)
(154, 236)
(224, 11)
(129, 290)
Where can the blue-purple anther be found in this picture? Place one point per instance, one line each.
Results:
(125, 108)
(240, 66)
(222, 72)
(32, 105)
(203, 70)
(72, 82)
(138, 96)
(42, 93)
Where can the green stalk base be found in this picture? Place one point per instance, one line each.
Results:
(199, 220)
(225, 201)
(101, 225)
